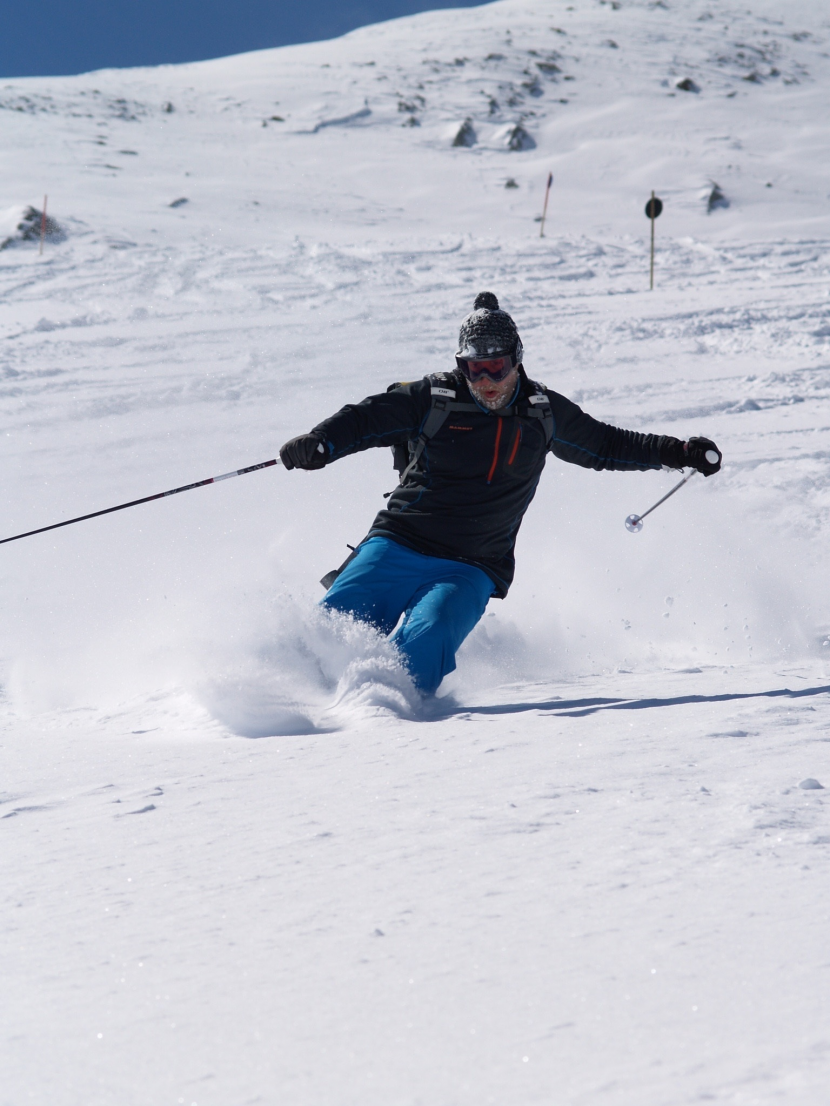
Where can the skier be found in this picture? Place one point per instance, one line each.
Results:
(470, 446)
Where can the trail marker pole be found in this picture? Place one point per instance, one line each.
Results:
(43, 223)
(545, 208)
(146, 499)
(653, 209)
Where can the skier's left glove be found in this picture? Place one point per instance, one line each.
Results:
(698, 453)
(308, 451)
(692, 454)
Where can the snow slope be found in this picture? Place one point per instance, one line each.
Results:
(586, 873)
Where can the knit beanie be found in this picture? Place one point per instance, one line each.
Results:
(488, 332)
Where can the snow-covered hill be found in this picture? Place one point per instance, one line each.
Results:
(587, 874)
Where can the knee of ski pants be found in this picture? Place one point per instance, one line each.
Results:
(386, 580)
(376, 584)
(438, 620)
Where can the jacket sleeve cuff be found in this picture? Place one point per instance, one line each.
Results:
(672, 452)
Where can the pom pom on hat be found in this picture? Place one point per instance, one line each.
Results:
(488, 331)
(487, 301)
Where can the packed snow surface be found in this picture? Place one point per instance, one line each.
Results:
(242, 862)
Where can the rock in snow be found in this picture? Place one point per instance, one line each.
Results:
(23, 224)
(517, 138)
(465, 135)
(716, 199)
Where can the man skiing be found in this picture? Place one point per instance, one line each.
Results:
(470, 446)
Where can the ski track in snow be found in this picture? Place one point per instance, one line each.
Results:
(242, 861)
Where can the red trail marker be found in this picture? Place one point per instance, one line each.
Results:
(545, 208)
(43, 223)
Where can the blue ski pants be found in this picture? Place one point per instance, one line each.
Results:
(440, 600)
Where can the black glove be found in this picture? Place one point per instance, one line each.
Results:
(692, 454)
(308, 451)
(696, 450)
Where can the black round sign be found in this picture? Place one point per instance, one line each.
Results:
(653, 208)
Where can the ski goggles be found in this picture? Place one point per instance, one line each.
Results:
(496, 368)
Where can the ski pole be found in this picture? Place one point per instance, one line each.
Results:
(146, 499)
(634, 523)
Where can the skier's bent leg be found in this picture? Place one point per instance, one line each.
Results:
(377, 585)
(436, 623)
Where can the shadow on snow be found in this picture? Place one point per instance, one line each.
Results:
(578, 708)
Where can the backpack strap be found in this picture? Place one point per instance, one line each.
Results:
(442, 404)
(538, 407)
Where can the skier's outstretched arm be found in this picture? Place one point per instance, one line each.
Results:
(386, 419)
(583, 440)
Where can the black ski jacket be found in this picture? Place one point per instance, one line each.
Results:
(467, 495)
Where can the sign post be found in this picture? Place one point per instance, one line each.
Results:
(653, 209)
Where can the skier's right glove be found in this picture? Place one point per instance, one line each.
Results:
(308, 451)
